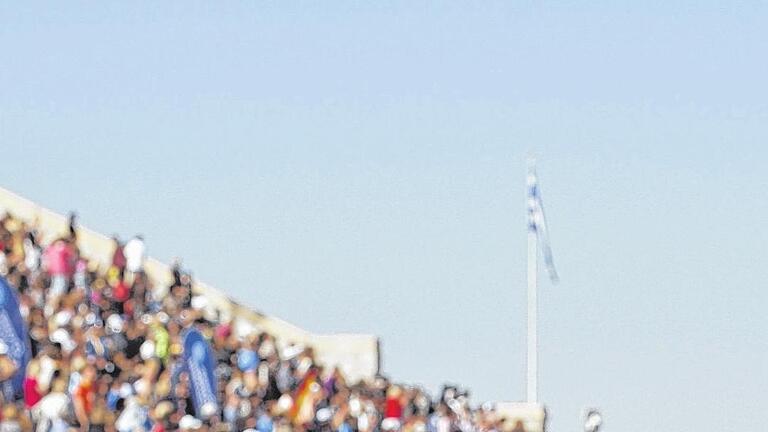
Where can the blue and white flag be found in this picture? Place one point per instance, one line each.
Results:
(537, 223)
(199, 364)
(14, 335)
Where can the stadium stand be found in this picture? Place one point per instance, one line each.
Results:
(105, 339)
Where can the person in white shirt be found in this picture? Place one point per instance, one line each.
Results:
(32, 254)
(134, 252)
(54, 410)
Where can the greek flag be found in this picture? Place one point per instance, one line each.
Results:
(537, 223)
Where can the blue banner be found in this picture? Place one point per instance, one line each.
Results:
(13, 333)
(199, 364)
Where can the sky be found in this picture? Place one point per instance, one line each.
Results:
(360, 167)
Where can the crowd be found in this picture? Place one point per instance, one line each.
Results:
(106, 354)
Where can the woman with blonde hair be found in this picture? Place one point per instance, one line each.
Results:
(33, 389)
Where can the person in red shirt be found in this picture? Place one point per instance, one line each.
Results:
(121, 293)
(33, 391)
(118, 258)
(83, 397)
(393, 409)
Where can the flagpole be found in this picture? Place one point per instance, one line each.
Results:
(533, 269)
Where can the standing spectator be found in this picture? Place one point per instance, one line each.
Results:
(59, 262)
(134, 252)
(52, 413)
(32, 254)
(33, 391)
(84, 396)
(118, 257)
(393, 410)
(81, 276)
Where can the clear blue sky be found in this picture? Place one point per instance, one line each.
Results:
(357, 167)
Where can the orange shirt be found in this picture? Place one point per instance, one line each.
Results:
(83, 394)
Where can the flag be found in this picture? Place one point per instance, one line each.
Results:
(199, 364)
(537, 223)
(303, 398)
(13, 333)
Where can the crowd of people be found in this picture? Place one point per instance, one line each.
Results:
(106, 354)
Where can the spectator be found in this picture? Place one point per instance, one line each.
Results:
(134, 252)
(59, 261)
(13, 421)
(118, 257)
(83, 397)
(53, 413)
(33, 391)
(32, 254)
(8, 369)
(108, 356)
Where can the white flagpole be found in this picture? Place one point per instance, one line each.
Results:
(532, 309)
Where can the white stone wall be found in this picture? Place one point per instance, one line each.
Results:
(356, 355)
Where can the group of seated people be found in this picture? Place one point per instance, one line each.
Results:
(107, 349)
